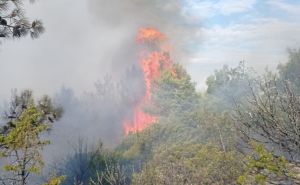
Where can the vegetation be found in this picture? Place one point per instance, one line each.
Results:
(262, 166)
(14, 23)
(190, 164)
(54, 180)
(243, 130)
(21, 141)
(92, 165)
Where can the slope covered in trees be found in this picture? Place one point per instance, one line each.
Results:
(244, 129)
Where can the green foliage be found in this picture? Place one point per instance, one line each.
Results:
(21, 141)
(177, 149)
(216, 128)
(229, 85)
(230, 77)
(190, 164)
(175, 101)
(186, 120)
(22, 145)
(55, 180)
(94, 165)
(194, 141)
(262, 166)
(173, 95)
(20, 102)
(25, 137)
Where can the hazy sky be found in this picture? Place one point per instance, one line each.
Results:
(80, 44)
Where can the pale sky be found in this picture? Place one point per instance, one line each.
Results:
(78, 48)
(256, 31)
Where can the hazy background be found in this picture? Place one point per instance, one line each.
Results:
(86, 40)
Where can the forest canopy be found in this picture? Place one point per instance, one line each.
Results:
(221, 136)
(146, 123)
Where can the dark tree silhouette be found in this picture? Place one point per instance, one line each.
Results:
(14, 23)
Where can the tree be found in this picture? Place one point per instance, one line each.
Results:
(190, 164)
(262, 167)
(21, 141)
(14, 23)
(78, 166)
(229, 85)
(161, 153)
(179, 106)
(54, 180)
(114, 174)
(20, 102)
(290, 71)
(271, 116)
(174, 94)
(93, 165)
(216, 128)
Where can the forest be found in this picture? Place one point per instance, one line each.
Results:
(243, 129)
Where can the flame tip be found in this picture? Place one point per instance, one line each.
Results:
(152, 64)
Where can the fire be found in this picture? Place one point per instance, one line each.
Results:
(152, 61)
(147, 35)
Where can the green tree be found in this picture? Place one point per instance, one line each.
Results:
(216, 128)
(230, 85)
(190, 164)
(188, 115)
(55, 181)
(290, 71)
(174, 94)
(21, 139)
(262, 167)
(167, 150)
(14, 23)
(21, 101)
(93, 165)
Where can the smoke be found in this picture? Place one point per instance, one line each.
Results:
(95, 116)
(79, 47)
(99, 114)
(168, 16)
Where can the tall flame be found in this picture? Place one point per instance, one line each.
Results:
(154, 58)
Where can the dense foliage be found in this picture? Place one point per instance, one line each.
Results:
(243, 130)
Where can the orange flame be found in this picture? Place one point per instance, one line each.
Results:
(150, 35)
(152, 63)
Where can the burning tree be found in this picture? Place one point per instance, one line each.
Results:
(154, 58)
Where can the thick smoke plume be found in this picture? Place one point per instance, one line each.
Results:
(127, 16)
(100, 114)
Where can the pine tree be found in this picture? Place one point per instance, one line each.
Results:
(21, 141)
(14, 23)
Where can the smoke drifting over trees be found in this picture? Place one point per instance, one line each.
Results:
(243, 129)
(100, 113)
